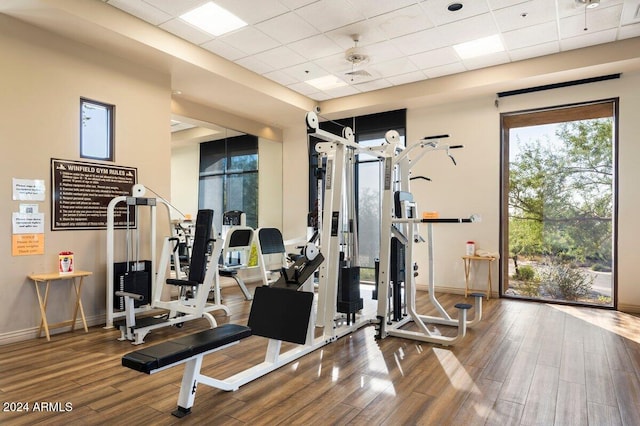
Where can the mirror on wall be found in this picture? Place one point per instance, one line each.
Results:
(215, 168)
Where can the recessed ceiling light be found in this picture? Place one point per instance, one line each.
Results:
(480, 47)
(327, 82)
(213, 19)
(454, 7)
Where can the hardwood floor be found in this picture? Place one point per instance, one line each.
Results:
(524, 364)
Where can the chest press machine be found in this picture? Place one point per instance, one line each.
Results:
(194, 290)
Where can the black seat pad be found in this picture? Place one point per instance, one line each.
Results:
(157, 356)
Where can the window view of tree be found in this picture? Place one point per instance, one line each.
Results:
(561, 211)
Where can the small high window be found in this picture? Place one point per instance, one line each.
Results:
(96, 130)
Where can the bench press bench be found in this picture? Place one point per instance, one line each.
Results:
(281, 313)
(189, 350)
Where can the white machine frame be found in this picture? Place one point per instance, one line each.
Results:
(398, 162)
(179, 310)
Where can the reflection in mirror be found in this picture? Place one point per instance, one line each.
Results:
(214, 168)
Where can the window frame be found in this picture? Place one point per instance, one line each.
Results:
(110, 139)
(557, 114)
(226, 174)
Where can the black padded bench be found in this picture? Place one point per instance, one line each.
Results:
(188, 350)
(177, 351)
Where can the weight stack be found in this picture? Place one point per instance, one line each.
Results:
(349, 300)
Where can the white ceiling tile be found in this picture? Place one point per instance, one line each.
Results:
(468, 29)
(525, 14)
(534, 51)
(295, 4)
(393, 67)
(402, 21)
(598, 19)
(221, 48)
(176, 8)
(280, 57)
(444, 70)
(371, 8)
(373, 85)
(422, 41)
(434, 58)
(630, 13)
(629, 31)
(383, 51)
(319, 96)
(280, 77)
(252, 11)
(407, 40)
(486, 60)
(327, 15)
(530, 36)
(255, 65)
(588, 39)
(368, 34)
(142, 10)
(303, 88)
(440, 15)
(249, 40)
(406, 78)
(287, 28)
(499, 4)
(334, 63)
(186, 31)
(342, 91)
(306, 71)
(315, 47)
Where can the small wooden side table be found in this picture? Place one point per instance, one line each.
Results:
(467, 271)
(46, 280)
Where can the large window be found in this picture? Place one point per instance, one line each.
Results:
(96, 130)
(559, 209)
(229, 177)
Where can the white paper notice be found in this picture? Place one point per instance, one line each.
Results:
(29, 208)
(28, 223)
(28, 189)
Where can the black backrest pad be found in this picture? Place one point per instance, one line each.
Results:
(153, 357)
(281, 314)
(201, 237)
(240, 238)
(270, 241)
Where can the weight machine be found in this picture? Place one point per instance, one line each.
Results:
(339, 275)
(190, 304)
(400, 227)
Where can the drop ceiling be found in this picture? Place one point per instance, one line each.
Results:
(293, 41)
(254, 79)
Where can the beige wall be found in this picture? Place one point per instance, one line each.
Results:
(43, 77)
(185, 177)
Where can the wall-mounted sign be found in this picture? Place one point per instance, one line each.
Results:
(28, 189)
(27, 244)
(82, 191)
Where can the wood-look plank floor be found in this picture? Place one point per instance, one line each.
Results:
(524, 364)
